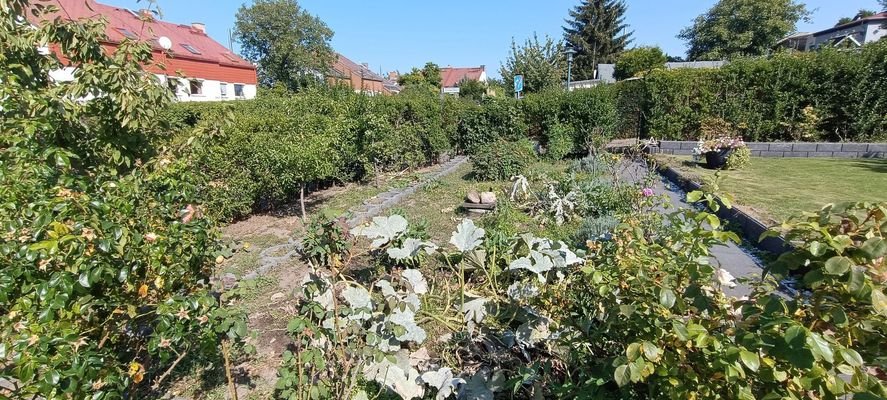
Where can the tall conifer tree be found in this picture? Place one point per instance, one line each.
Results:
(597, 31)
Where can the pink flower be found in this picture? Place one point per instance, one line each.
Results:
(647, 192)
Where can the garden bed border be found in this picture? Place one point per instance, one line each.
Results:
(750, 227)
(785, 149)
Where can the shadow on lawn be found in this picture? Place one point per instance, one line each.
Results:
(874, 164)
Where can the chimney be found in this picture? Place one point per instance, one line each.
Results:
(393, 75)
(366, 65)
(199, 27)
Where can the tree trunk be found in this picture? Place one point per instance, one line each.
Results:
(302, 202)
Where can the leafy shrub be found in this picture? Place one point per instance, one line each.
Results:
(739, 158)
(324, 241)
(596, 228)
(638, 62)
(502, 159)
(494, 119)
(105, 250)
(594, 165)
(827, 95)
(558, 142)
(590, 112)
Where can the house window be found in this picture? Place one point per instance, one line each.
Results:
(223, 89)
(190, 48)
(238, 90)
(173, 85)
(196, 87)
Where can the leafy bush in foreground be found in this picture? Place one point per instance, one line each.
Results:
(643, 314)
(104, 252)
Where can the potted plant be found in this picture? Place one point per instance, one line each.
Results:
(717, 150)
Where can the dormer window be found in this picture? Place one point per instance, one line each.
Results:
(190, 48)
(127, 33)
(229, 57)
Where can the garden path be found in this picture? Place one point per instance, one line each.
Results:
(273, 256)
(730, 256)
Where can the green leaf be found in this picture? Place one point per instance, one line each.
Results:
(84, 279)
(874, 247)
(667, 298)
(856, 284)
(751, 360)
(817, 249)
(879, 302)
(838, 265)
(851, 357)
(820, 348)
(651, 352)
(622, 375)
(694, 196)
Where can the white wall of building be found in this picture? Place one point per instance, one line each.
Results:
(875, 32)
(210, 90)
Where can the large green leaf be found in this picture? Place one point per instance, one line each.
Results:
(879, 302)
(667, 298)
(751, 360)
(838, 265)
(820, 347)
(622, 375)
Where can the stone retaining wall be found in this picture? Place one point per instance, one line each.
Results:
(778, 149)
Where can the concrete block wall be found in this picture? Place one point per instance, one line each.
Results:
(781, 149)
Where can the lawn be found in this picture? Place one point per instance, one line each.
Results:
(777, 188)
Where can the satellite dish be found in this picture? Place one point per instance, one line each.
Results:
(164, 42)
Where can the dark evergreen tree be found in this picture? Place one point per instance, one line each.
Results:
(597, 31)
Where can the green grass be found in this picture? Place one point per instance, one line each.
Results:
(777, 188)
(439, 202)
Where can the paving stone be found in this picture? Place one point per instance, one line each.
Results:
(846, 154)
(820, 154)
(877, 148)
(772, 154)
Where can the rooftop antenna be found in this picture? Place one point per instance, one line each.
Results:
(230, 40)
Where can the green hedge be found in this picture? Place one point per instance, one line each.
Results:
(280, 143)
(819, 96)
(276, 144)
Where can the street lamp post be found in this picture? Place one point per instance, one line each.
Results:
(569, 52)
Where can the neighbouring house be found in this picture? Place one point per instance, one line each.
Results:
(358, 77)
(850, 35)
(606, 72)
(390, 83)
(196, 67)
(450, 77)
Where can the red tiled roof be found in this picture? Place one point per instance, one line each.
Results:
(450, 77)
(347, 67)
(214, 61)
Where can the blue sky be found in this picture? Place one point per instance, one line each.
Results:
(400, 34)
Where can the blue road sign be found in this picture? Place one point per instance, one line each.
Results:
(518, 83)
